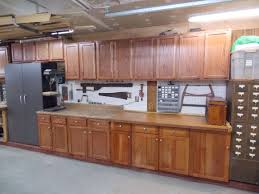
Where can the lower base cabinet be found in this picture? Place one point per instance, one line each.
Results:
(174, 150)
(209, 155)
(45, 135)
(60, 138)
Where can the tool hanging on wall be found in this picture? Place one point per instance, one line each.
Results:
(121, 95)
(185, 94)
(141, 92)
(98, 86)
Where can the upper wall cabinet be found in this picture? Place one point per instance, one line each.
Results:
(166, 57)
(72, 61)
(29, 51)
(191, 56)
(56, 52)
(3, 60)
(217, 55)
(87, 60)
(122, 60)
(143, 59)
(42, 51)
(17, 52)
(105, 59)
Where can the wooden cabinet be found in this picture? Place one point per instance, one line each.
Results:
(72, 61)
(209, 155)
(191, 56)
(29, 51)
(166, 57)
(45, 135)
(98, 140)
(143, 59)
(217, 55)
(144, 148)
(87, 60)
(17, 52)
(105, 60)
(122, 60)
(42, 50)
(3, 60)
(56, 52)
(60, 136)
(174, 150)
(121, 143)
(77, 133)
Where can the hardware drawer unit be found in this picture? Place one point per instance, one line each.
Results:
(243, 101)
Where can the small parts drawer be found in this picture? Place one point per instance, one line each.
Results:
(98, 124)
(115, 126)
(239, 127)
(240, 116)
(253, 117)
(255, 87)
(164, 132)
(241, 87)
(254, 102)
(253, 128)
(241, 108)
(254, 109)
(254, 95)
(144, 129)
(44, 118)
(76, 122)
(240, 101)
(58, 120)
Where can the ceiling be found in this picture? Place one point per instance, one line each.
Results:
(89, 17)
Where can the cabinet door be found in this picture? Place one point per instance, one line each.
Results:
(56, 52)
(122, 60)
(166, 57)
(174, 154)
(60, 138)
(217, 55)
(121, 147)
(17, 53)
(45, 135)
(98, 144)
(3, 60)
(29, 51)
(42, 51)
(191, 56)
(143, 59)
(145, 151)
(105, 60)
(77, 141)
(72, 61)
(87, 61)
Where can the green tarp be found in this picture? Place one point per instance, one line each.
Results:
(245, 40)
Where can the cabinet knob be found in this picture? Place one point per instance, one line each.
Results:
(48, 127)
(145, 129)
(90, 132)
(120, 125)
(84, 132)
(156, 139)
(160, 140)
(98, 123)
(128, 137)
(227, 147)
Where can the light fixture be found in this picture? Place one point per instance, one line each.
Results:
(225, 15)
(63, 32)
(163, 8)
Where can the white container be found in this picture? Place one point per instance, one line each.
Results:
(245, 65)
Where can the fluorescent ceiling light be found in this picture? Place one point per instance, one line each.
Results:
(163, 8)
(225, 15)
(63, 32)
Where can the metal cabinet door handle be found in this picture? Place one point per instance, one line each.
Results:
(20, 99)
(24, 99)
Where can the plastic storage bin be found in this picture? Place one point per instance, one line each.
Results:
(245, 65)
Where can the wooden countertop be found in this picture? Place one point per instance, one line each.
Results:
(158, 119)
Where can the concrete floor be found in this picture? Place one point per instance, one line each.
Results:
(26, 172)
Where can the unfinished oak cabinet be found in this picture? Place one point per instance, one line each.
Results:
(191, 56)
(42, 50)
(217, 55)
(29, 52)
(143, 59)
(77, 133)
(121, 143)
(3, 60)
(166, 57)
(105, 60)
(145, 147)
(174, 150)
(87, 60)
(45, 132)
(60, 135)
(56, 50)
(17, 52)
(209, 155)
(98, 140)
(72, 61)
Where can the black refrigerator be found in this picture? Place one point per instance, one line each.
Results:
(24, 97)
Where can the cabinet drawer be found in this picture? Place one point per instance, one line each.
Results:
(58, 120)
(44, 118)
(98, 124)
(255, 87)
(144, 129)
(254, 95)
(240, 116)
(173, 132)
(76, 121)
(120, 127)
(241, 87)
